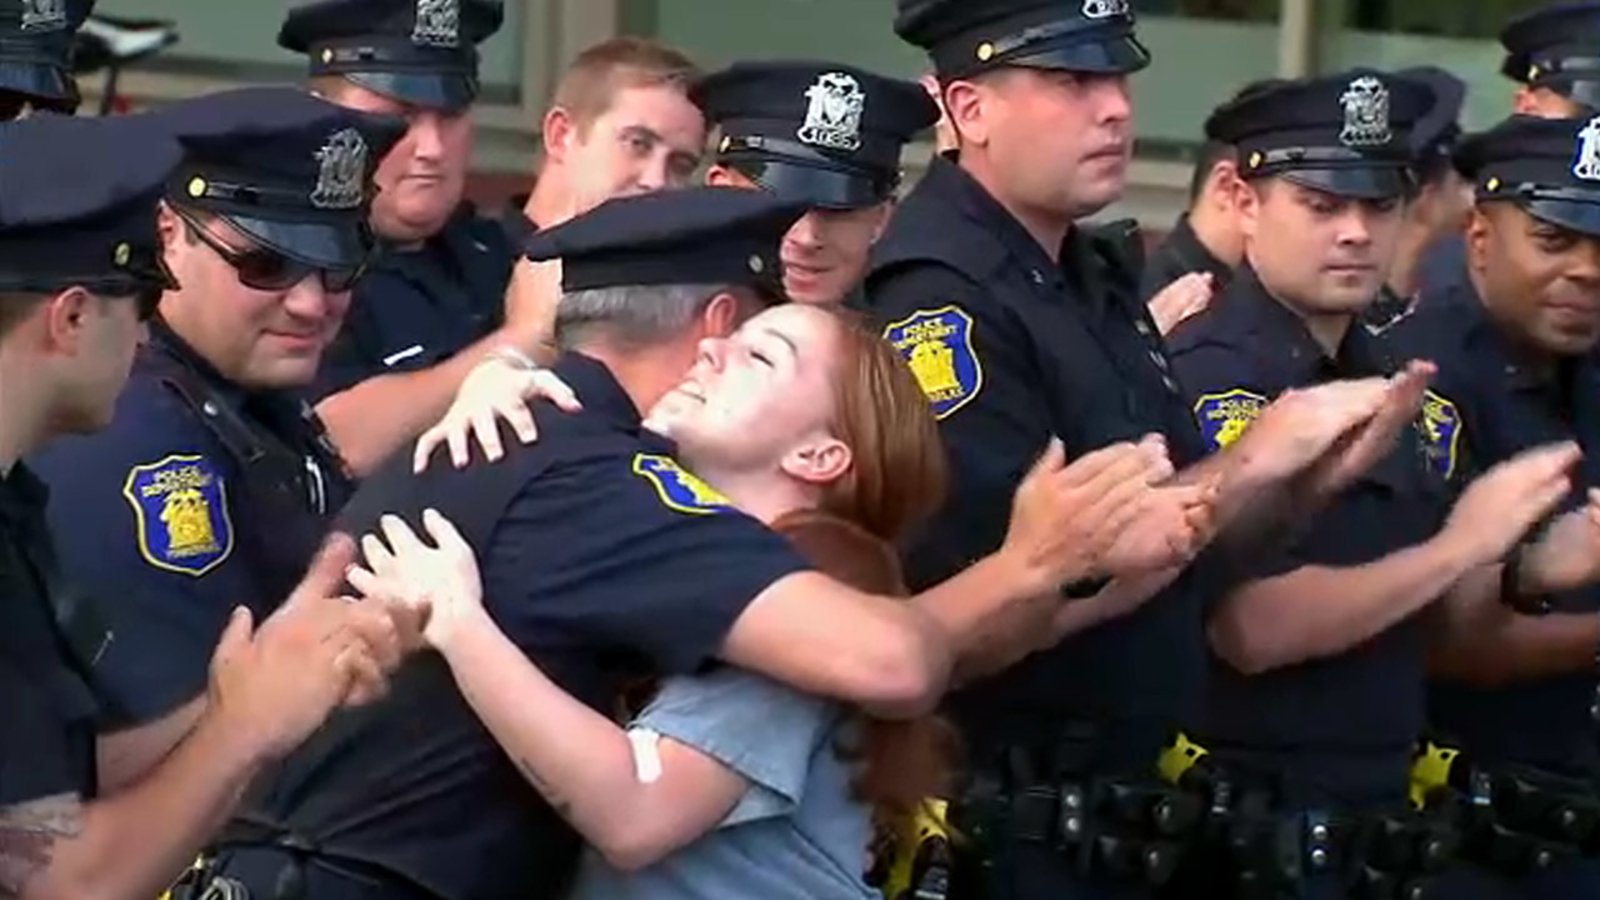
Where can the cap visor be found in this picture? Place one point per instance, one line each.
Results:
(431, 90)
(1575, 215)
(321, 244)
(1114, 55)
(46, 83)
(1585, 93)
(812, 185)
(1355, 183)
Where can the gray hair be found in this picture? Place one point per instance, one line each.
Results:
(632, 315)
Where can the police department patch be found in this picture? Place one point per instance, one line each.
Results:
(1440, 427)
(937, 345)
(181, 507)
(679, 489)
(1224, 417)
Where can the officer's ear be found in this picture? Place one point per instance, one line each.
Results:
(1247, 199)
(818, 461)
(1478, 232)
(723, 314)
(719, 175)
(560, 130)
(967, 105)
(66, 318)
(1222, 185)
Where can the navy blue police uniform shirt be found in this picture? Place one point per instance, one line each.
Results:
(1012, 348)
(1179, 254)
(603, 559)
(1486, 407)
(415, 309)
(47, 747)
(199, 497)
(1365, 705)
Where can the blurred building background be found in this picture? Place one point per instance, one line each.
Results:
(1204, 50)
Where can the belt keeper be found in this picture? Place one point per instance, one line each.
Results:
(1033, 814)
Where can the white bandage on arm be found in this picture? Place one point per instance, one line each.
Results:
(646, 754)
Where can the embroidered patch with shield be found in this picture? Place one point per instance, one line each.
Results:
(678, 488)
(180, 505)
(1440, 427)
(937, 345)
(1223, 417)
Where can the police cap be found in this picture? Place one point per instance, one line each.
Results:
(702, 235)
(78, 204)
(967, 37)
(1549, 167)
(1346, 134)
(36, 38)
(826, 134)
(421, 52)
(1557, 47)
(1435, 133)
(291, 171)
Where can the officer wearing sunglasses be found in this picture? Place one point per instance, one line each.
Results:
(211, 487)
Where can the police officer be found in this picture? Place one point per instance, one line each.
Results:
(1206, 237)
(1320, 698)
(1516, 369)
(1020, 326)
(1553, 54)
(825, 134)
(79, 269)
(36, 40)
(651, 572)
(432, 305)
(213, 484)
(1439, 198)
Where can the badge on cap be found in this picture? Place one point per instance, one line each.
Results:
(937, 345)
(1105, 9)
(438, 23)
(181, 507)
(1440, 428)
(344, 170)
(833, 119)
(44, 15)
(1223, 417)
(1587, 165)
(1366, 113)
(678, 488)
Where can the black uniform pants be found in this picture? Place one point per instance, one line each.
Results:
(272, 873)
(1577, 879)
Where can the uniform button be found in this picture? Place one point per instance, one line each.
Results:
(1159, 360)
(1319, 832)
(1171, 385)
(209, 408)
(1143, 328)
(1036, 275)
(1319, 857)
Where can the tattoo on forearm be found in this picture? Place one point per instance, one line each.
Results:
(28, 835)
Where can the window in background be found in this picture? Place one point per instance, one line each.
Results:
(236, 40)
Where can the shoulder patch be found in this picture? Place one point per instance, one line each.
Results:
(1224, 416)
(1440, 427)
(678, 488)
(937, 345)
(180, 507)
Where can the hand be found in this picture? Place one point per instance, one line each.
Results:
(1301, 426)
(1173, 524)
(275, 685)
(1188, 296)
(440, 582)
(496, 389)
(1359, 450)
(1504, 503)
(1064, 517)
(1567, 556)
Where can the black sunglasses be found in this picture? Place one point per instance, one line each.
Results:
(265, 269)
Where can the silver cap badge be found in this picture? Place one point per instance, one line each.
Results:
(1587, 165)
(438, 23)
(1105, 9)
(1366, 113)
(44, 15)
(833, 119)
(342, 179)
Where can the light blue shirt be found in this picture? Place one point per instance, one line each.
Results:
(796, 832)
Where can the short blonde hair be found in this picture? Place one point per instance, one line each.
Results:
(594, 79)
